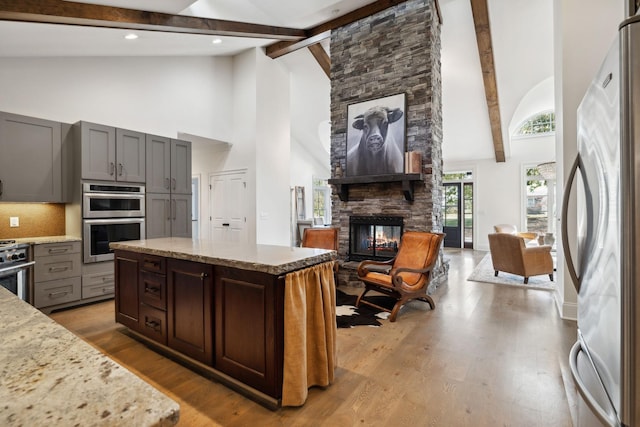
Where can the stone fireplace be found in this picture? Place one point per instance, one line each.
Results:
(391, 52)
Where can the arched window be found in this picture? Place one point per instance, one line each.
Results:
(540, 123)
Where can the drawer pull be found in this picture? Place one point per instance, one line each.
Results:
(152, 324)
(107, 279)
(58, 250)
(154, 264)
(58, 294)
(57, 269)
(152, 290)
(107, 290)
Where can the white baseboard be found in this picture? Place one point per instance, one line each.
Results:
(566, 310)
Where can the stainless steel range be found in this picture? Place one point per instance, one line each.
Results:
(16, 268)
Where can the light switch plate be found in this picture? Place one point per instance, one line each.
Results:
(14, 221)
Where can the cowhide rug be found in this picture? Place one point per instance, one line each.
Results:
(348, 315)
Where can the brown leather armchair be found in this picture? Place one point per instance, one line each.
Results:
(321, 238)
(510, 254)
(410, 273)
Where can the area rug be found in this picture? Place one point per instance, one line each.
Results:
(484, 273)
(348, 315)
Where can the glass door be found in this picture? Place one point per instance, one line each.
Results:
(452, 224)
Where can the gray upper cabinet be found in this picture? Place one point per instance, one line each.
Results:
(31, 163)
(180, 167)
(168, 165)
(111, 154)
(168, 187)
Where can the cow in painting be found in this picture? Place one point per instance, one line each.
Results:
(377, 153)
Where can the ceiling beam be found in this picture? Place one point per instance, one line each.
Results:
(321, 56)
(485, 49)
(71, 13)
(323, 31)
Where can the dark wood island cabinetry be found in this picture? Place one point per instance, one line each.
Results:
(223, 316)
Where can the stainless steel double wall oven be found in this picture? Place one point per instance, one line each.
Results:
(111, 213)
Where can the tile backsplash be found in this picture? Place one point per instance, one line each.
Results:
(36, 220)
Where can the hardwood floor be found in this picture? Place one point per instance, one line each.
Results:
(488, 355)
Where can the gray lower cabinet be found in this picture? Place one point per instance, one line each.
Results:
(32, 159)
(111, 154)
(57, 274)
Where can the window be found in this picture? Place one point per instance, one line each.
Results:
(321, 200)
(536, 203)
(541, 123)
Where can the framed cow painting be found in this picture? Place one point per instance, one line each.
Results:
(376, 136)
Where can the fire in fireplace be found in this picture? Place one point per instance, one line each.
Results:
(374, 237)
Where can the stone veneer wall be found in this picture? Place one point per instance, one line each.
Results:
(394, 51)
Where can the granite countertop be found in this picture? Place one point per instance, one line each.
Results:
(269, 259)
(52, 377)
(48, 239)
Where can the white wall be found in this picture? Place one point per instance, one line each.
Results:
(498, 187)
(160, 95)
(273, 151)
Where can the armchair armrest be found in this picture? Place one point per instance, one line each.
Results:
(536, 249)
(396, 279)
(362, 267)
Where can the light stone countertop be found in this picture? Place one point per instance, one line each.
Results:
(48, 239)
(52, 377)
(269, 259)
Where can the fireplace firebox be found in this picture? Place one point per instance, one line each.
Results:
(374, 237)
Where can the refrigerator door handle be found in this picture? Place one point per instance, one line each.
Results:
(565, 233)
(598, 411)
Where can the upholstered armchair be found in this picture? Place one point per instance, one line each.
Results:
(510, 255)
(410, 271)
(512, 229)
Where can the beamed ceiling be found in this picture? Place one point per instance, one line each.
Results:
(259, 28)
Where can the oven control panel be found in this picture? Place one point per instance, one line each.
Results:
(13, 256)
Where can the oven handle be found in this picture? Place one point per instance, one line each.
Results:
(16, 268)
(113, 196)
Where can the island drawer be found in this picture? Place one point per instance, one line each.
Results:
(57, 267)
(153, 290)
(62, 248)
(153, 323)
(56, 292)
(153, 263)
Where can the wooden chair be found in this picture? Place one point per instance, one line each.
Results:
(321, 238)
(410, 272)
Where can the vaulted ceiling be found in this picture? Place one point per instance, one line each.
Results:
(514, 39)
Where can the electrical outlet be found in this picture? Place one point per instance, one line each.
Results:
(14, 221)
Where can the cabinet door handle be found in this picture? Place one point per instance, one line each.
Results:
(1, 187)
(167, 183)
(203, 276)
(225, 224)
(120, 167)
(175, 209)
(112, 168)
(173, 180)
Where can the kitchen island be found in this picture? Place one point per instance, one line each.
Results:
(258, 318)
(51, 377)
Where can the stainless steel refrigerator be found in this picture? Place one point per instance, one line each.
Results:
(605, 268)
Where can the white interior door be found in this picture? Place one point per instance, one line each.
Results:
(227, 198)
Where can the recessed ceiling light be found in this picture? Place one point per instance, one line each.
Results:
(131, 36)
(216, 41)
